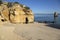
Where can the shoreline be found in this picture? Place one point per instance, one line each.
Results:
(45, 21)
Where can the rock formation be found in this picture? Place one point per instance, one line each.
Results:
(15, 13)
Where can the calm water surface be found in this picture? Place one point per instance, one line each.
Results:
(46, 17)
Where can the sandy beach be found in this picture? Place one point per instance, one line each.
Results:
(31, 31)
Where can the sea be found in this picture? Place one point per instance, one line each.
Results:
(46, 17)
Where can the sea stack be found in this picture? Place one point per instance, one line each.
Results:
(55, 17)
(16, 13)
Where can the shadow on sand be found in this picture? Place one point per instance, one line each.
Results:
(57, 26)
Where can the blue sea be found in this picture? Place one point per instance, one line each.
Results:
(46, 17)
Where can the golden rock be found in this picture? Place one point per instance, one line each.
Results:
(15, 13)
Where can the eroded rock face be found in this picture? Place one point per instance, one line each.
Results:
(15, 13)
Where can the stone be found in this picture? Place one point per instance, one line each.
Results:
(16, 13)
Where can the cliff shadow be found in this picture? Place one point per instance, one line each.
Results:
(53, 25)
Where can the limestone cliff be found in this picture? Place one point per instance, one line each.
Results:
(15, 13)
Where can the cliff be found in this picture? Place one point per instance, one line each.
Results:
(15, 13)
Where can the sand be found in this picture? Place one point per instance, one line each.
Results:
(31, 31)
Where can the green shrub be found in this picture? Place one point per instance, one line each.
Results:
(9, 4)
(27, 8)
(1, 2)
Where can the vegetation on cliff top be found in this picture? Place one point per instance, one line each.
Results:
(10, 4)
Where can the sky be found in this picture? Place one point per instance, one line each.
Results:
(41, 6)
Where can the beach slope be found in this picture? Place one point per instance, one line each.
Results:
(31, 31)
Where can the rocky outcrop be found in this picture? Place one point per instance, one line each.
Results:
(16, 13)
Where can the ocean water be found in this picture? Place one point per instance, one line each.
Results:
(46, 17)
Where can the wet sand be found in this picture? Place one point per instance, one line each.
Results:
(31, 31)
